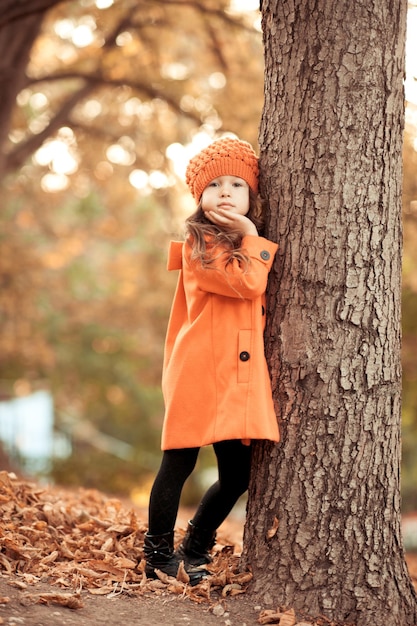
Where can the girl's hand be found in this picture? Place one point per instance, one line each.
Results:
(232, 221)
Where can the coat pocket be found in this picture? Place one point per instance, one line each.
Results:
(243, 356)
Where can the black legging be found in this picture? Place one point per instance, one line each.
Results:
(233, 461)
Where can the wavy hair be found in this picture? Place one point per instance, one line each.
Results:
(204, 237)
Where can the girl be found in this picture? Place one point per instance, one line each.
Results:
(215, 379)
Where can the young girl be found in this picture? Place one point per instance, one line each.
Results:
(215, 379)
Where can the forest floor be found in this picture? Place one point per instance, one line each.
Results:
(71, 558)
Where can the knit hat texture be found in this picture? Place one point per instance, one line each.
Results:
(224, 157)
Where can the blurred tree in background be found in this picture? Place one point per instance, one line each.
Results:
(103, 102)
(409, 312)
(108, 95)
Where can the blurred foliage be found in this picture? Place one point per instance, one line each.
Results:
(90, 202)
(409, 315)
(136, 76)
(92, 192)
(409, 463)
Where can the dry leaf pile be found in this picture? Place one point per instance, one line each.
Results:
(86, 541)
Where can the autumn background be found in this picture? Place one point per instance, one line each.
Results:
(118, 95)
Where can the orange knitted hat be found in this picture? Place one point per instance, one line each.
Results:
(224, 157)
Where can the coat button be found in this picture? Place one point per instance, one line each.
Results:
(244, 356)
(265, 255)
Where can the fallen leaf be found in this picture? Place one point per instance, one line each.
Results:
(5, 563)
(168, 580)
(101, 591)
(227, 589)
(288, 618)
(120, 529)
(182, 575)
(72, 601)
(108, 545)
(17, 584)
(269, 616)
(6, 479)
(201, 591)
(219, 579)
(155, 584)
(243, 578)
(50, 557)
(125, 563)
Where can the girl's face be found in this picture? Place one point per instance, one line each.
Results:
(229, 193)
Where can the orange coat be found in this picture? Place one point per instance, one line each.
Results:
(215, 378)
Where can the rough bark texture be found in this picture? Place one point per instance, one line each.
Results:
(331, 139)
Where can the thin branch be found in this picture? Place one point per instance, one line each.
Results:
(98, 79)
(216, 48)
(206, 10)
(96, 132)
(124, 23)
(20, 153)
(16, 157)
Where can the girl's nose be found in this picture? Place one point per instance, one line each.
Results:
(225, 191)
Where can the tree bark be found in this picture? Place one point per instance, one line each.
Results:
(323, 528)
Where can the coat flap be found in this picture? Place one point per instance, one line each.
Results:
(175, 255)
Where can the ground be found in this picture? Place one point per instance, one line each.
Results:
(71, 558)
(149, 609)
(75, 558)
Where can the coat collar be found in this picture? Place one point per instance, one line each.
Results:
(175, 255)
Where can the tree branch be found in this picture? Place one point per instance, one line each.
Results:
(98, 79)
(13, 10)
(124, 23)
(206, 10)
(16, 157)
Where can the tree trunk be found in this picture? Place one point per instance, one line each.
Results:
(16, 40)
(323, 528)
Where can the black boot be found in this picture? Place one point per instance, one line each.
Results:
(196, 544)
(159, 554)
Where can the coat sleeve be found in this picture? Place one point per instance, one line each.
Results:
(233, 280)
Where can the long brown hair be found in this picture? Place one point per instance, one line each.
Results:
(204, 237)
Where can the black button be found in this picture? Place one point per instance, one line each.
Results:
(244, 356)
(265, 255)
